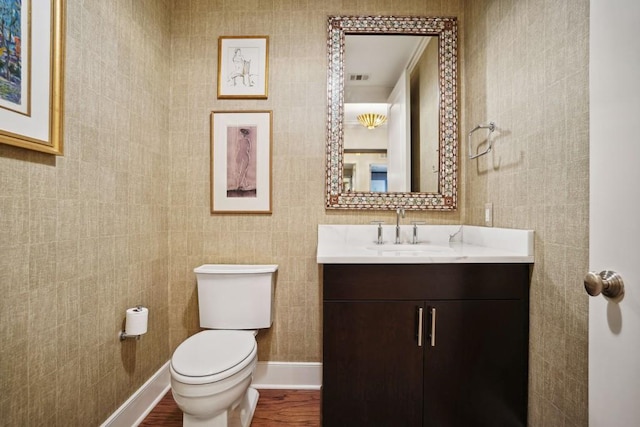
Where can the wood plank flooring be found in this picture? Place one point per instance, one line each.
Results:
(299, 408)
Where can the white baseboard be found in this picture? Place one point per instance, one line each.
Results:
(137, 407)
(288, 375)
(268, 375)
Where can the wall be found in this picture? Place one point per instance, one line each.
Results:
(527, 69)
(297, 97)
(425, 120)
(84, 236)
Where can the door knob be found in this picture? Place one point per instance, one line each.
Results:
(607, 282)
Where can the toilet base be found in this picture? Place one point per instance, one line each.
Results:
(247, 407)
(240, 414)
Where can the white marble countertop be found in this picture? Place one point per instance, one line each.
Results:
(437, 244)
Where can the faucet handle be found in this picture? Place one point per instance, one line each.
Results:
(414, 238)
(379, 240)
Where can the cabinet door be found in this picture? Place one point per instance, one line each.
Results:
(475, 374)
(372, 365)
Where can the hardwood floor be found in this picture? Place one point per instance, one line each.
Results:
(275, 408)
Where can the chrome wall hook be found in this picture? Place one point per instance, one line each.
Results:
(492, 127)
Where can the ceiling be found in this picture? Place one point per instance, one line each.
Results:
(381, 58)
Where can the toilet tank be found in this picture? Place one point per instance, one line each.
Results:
(236, 296)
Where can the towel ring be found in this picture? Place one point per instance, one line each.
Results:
(491, 126)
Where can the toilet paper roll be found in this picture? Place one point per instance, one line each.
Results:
(136, 322)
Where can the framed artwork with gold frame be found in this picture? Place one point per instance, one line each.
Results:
(243, 67)
(241, 162)
(32, 74)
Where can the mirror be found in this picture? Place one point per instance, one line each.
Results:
(410, 160)
(401, 78)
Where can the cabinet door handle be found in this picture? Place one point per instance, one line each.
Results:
(420, 322)
(433, 327)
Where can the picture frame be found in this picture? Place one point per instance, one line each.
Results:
(241, 176)
(243, 67)
(32, 57)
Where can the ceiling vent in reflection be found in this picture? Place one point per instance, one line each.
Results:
(358, 77)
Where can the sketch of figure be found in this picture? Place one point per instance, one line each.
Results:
(243, 156)
(241, 162)
(241, 70)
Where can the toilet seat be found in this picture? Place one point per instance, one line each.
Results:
(213, 355)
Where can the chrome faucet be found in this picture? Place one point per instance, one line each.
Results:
(379, 240)
(399, 213)
(414, 238)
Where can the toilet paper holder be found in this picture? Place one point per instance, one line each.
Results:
(123, 334)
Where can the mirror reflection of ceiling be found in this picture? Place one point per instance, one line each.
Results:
(373, 65)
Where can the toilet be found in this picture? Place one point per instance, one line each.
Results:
(211, 371)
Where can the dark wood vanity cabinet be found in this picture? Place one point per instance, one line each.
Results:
(425, 345)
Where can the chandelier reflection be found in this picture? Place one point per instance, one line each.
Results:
(372, 120)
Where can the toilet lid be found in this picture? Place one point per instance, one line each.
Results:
(211, 352)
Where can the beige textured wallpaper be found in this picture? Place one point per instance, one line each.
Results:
(526, 66)
(84, 236)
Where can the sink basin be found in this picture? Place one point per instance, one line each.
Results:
(419, 247)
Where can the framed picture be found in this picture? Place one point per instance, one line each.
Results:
(31, 74)
(243, 67)
(241, 162)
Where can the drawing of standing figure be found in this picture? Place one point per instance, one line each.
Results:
(243, 157)
(241, 69)
(241, 172)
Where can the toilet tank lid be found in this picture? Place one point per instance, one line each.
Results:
(236, 268)
(212, 352)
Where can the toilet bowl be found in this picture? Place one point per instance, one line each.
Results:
(211, 371)
(210, 376)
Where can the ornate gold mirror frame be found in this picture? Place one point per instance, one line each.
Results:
(447, 32)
